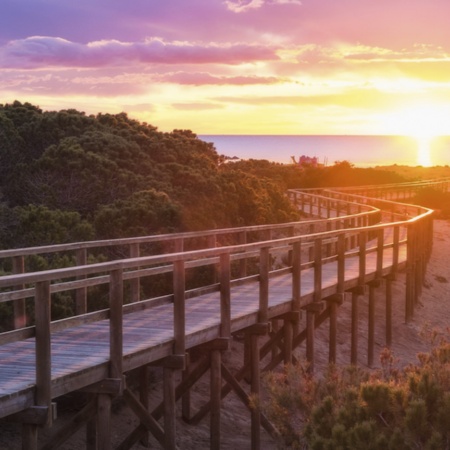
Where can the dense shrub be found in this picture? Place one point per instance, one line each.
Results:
(349, 408)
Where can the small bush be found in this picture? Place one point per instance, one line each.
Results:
(349, 408)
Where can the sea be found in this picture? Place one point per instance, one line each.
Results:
(361, 151)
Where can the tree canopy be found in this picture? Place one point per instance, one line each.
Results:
(106, 176)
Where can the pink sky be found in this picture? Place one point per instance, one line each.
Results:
(236, 66)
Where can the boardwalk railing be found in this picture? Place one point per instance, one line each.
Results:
(250, 277)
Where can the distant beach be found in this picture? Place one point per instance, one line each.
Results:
(362, 151)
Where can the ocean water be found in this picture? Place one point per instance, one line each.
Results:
(361, 151)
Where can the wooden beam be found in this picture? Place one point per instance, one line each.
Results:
(34, 415)
(243, 396)
(144, 416)
(112, 386)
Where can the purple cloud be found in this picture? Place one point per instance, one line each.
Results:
(239, 6)
(43, 51)
(202, 78)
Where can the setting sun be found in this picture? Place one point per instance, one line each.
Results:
(423, 122)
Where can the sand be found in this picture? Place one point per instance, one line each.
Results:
(433, 313)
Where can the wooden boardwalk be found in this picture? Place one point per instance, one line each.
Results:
(283, 273)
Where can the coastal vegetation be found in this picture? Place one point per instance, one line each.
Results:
(352, 408)
(66, 176)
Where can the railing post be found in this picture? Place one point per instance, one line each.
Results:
(410, 269)
(296, 274)
(243, 261)
(135, 282)
(264, 267)
(362, 257)
(116, 323)
(81, 293)
(43, 347)
(318, 269)
(225, 295)
(179, 282)
(20, 313)
(380, 251)
(212, 243)
(341, 262)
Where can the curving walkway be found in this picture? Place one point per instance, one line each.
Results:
(272, 275)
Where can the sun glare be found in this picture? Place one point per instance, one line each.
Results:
(423, 122)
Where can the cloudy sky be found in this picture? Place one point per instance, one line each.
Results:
(235, 66)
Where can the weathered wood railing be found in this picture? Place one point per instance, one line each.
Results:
(346, 215)
(362, 239)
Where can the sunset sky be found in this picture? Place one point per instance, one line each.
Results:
(235, 66)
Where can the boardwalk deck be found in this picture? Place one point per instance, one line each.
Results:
(82, 353)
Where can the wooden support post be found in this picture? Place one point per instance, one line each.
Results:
(275, 328)
(247, 356)
(104, 422)
(169, 409)
(355, 314)
(288, 338)
(143, 396)
(311, 310)
(255, 390)
(333, 333)
(91, 433)
(29, 437)
(216, 388)
(186, 397)
(371, 325)
(388, 311)
(310, 317)
(333, 303)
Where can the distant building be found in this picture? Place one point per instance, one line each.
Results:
(303, 160)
